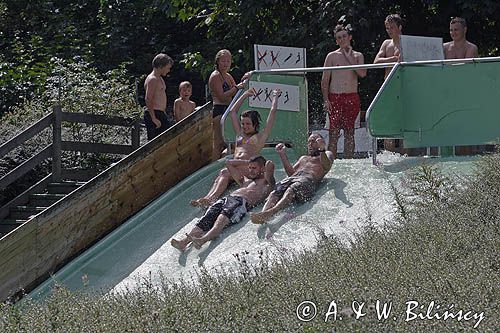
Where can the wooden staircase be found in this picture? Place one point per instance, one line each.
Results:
(60, 182)
(37, 203)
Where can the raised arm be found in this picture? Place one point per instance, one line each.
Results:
(269, 173)
(236, 107)
(354, 58)
(326, 156)
(271, 117)
(280, 149)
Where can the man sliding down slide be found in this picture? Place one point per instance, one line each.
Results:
(255, 185)
(303, 178)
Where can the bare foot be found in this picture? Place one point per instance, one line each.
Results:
(260, 218)
(178, 244)
(201, 202)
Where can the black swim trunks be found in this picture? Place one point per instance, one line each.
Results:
(302, 185)
(234, 208)
(167, 120)
(218, 110)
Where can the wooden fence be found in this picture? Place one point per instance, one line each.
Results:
(53, 151)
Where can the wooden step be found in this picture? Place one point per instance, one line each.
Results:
(24, 212)
(64, 187)
(7, 226)
(44, 200)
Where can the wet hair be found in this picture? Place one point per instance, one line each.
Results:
(341, 27)
(162, 60)
(186, 84)
(220, 54)
(259, 160)
(395, 18)
(254, 117)
(459, 20)
(319, 136)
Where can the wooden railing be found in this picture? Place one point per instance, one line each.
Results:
(39, 247)
(54, 150)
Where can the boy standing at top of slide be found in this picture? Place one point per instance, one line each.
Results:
(340, 91)
(183, 106)
(155, 117)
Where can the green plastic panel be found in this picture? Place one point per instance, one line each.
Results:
(439, 105)
(290, 126)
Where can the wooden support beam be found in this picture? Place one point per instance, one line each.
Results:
(90, 147)
(25, 167)
(26, 135)
(96, 119)
(56, 144)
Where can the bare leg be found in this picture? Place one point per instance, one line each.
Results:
(218, 141)
(219, 186)
(219, 225)
(273, 208)
(333, 138)
(188, 238)
(390, 144)
(349, 143)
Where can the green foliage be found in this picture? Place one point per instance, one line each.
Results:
(195, 61)
(237, 25)
(77, 87)
(107, 33)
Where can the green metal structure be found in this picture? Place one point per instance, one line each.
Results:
(290, 126)
(440, 104)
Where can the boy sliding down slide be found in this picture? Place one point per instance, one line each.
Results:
(302, 181)
(255, 186)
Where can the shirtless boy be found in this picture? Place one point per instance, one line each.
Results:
(340, 91)
(302, 181)
(249, 143)
(459, 47)
(155, 117)
(390, 52)
(255, 185)
(183, 107)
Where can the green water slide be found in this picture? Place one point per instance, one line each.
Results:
(439, 103)
(130, 247)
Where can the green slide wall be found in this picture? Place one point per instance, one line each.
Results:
(439, 105)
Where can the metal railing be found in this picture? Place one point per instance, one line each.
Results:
(394, 66)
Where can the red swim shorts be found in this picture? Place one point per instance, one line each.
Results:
(345, 110)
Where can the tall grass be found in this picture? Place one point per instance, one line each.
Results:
(444, 248)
